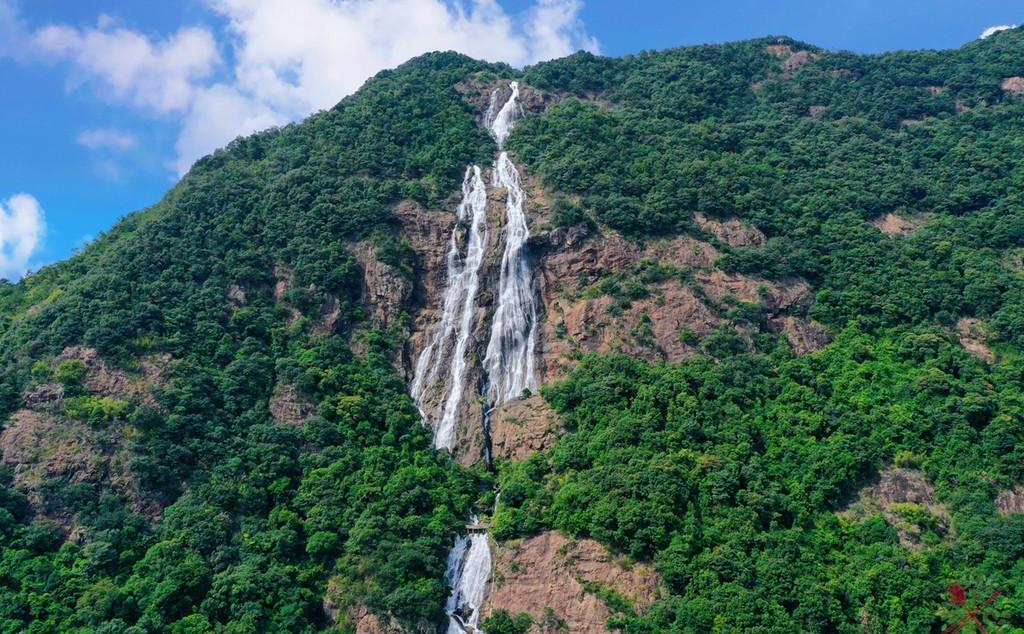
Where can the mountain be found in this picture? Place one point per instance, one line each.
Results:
(721, 338)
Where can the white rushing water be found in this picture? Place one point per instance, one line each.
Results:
(509, 360)
(510, 352)
(469, 569)
(452, 334)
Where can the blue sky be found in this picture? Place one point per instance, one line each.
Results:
(108, 101)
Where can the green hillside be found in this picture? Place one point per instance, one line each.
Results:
(173, 500)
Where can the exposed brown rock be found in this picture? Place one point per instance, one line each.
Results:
(479, 93)
(521, 428)
(935, 91)
(805, 336)
(288, 405)
(897, 225)
(896, 486)
(788, 295)
(236, 295)
(41, 445)
(1011, 500)
(798, 59)
(358, 617)
(327, 320)
(385, 289)
(816, 111)
(731, 231)
(682, 252)
(550, 571)
(1013, 85)
(283, 277)
(779, 50)
(972, 335)
(107, 380)
(662, 325)
(910, 123)
(791, 60)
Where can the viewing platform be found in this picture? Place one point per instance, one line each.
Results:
(476, 527)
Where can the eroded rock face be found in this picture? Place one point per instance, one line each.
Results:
(107, 380)
(896, 225)
(549, 571)
(671, 317)
(479, 93)
(893, 487)
(289, 406)
(804, 335)
(791, 60)
(385, 290)
(521, 428)
(1013, 86)
(1011, 500)
(972, 334)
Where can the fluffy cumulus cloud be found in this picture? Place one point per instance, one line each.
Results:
(22, 226)
(160, 76)
(276, 61)
(992, 30)
(110, 139)
(293, 57)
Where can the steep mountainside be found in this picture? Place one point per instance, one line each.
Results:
(723, 338)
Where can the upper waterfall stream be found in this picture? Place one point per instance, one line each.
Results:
(508, 363)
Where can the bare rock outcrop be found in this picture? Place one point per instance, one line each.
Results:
(1011, 500)
(731, 230)
(972, 334)
(672, 315)
(804, 335)
(899, 225)
(552, 572)
(523, 427)
(479, 93)
(791, 60)
(289, 406)
(107, 380)
(1013, 85)
(385, 290)
(894, 492)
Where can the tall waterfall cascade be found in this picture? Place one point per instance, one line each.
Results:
(508, 363)
(451, 338)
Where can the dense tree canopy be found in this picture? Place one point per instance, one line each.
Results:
(731, 472)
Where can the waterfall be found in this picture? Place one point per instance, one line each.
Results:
(509, 360)
(510, 352)
(453, 332)
(469, 569)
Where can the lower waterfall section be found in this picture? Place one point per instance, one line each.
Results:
(469, 570)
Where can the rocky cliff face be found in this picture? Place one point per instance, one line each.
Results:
(599, 292)
(55, 437)
(559, 583)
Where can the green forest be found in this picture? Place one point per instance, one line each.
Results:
(728, 472)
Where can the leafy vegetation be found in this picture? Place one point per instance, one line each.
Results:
(730, 476)
(730, 472)
(259, 514)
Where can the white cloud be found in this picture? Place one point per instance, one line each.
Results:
(108, 139)
(288, 58)
(293, 57)
(22, 226)
(992, 30)
(160, 76)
